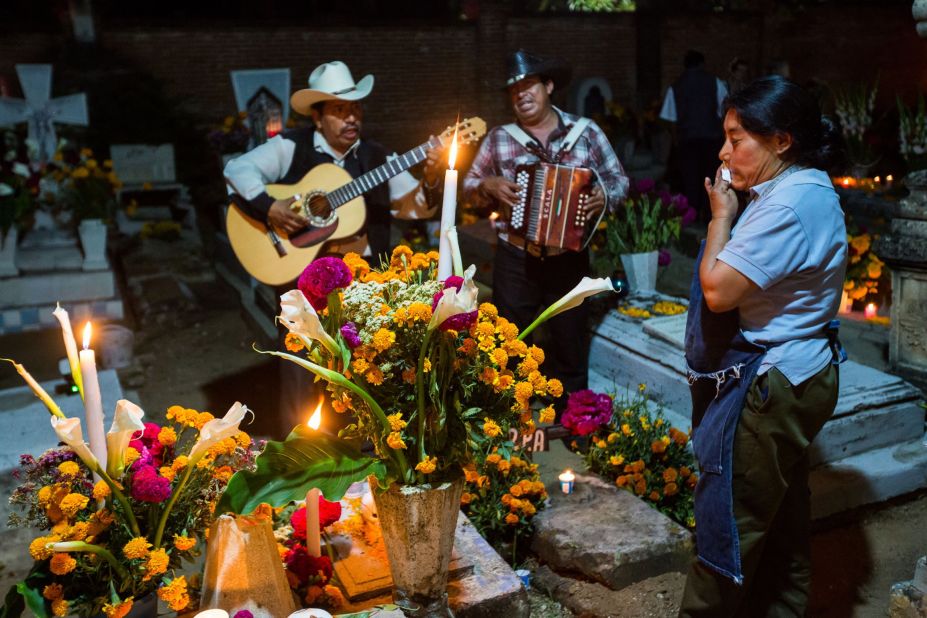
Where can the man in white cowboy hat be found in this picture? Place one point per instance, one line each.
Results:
(333, 101)
(528, 277)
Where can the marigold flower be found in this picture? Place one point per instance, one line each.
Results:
(547, 415)
(131, 456)
(504, 467)
(183, 543)
(670, 489)
(101, 490)
(72, 503)
(119, 610)
(157, 563)
(38, 549)
(601, 444)
(62, 564)
(659, 446)
(293, 343)
(488, 311)
(466, 498)
(468, 347)
(175, 594)
(428, 465)
(679, 437)
(69, 468)
(670, 475)
(360, 365)
(167, 436)
(554, 387)
(223, 473)
(419, 312)
(613, 437)
(626, 429)
(394, 440)
(374, 376)
(202, 418)
(511, 519)
(136, 548)
(383, 339)
(508, 331)
(53, 591)
(527, 366)
(493, 458)
(616, 460)
(654, 495)
(395, 421)
(426, 365)
(59, 607)
(515, 490)
(490, 428)
(684, 471)
(180, 463)
(527, 508)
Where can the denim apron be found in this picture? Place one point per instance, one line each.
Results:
(721, 367)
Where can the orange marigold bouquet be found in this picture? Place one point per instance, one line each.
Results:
(428, 373)
(115, 531)
(631, 444)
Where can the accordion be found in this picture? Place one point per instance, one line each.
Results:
(551, 209)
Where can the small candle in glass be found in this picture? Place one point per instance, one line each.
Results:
(888, 181)
(567, 478)
(870, 311)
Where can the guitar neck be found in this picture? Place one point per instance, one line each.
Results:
(379, 175)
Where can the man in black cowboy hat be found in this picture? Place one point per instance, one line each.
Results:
(333, 100)
(526, 277)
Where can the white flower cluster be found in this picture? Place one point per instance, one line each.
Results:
(363, 302)
(854, 107)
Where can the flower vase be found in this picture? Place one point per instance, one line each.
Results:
(641, 271)
(418, 523)
(8, 253)
(92, 234)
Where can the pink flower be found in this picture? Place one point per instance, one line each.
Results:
(148, 446)
(321, 277)
(149, 486)
(586, 411)
(243, 614)
(350, 335)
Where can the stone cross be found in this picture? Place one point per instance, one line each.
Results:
(40, 111)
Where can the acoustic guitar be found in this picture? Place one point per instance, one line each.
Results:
(332, 202)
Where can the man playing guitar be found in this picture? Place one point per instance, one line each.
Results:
(333, 101)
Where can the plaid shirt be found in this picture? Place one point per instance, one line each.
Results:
(499, 154)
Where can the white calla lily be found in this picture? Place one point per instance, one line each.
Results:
(69, 432)
(572, 299)
(300, 317)
(127, 421)
(454, 302)
(218, 429)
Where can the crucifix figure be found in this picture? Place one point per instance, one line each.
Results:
(40, 111)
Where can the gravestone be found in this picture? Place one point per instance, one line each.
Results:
(149, 178)
(870, 450)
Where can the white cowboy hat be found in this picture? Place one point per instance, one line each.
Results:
(329, 82)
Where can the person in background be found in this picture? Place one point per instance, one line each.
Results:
(693, 105)
(762, 351)
(738, 74)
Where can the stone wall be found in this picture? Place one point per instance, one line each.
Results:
(427, 71)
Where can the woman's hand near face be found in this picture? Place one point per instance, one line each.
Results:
(721, 196)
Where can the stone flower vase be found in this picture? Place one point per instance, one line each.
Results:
(92, 234)
(641, 270)
(8, 252)
(418, 523)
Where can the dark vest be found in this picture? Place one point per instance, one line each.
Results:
(364, 158)
(696, 94)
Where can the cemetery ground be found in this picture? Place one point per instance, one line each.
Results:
(193, 347)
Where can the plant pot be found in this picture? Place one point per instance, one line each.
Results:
(8, 253)
(92, 234)
(641, 271)
(418, 523)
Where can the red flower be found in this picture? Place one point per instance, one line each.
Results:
(306, 568)
(322, 277)
(329, 513)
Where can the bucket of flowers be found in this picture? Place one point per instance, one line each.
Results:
(429, 374)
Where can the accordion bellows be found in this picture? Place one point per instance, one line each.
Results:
(551, 210)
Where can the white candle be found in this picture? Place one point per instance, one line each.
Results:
(870, 311)
(212, 613)
(70, 345)
(93, 402)
(313, 534)
(448, 215)
(566, 481)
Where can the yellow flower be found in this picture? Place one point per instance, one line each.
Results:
(861, 243)
(183, 543)
(374, 375)
(426, 365)
(223, 474)
(554, 387)
(394, 440)
(53, 591)
(38, 549)
(641, 387)
(242, 439)
(202, 418)
(626, 430)
(537, 354)
(167, 436)
(488, 311)
(493, 458)
(613, 437)
(157, 563)
(490, 428)
(511, 519)
(119, 610)
(428, 465)
(547, 415)
(359, 365)
(73, 503)
(136, 548)
(395, 422)
(419, 312)
(383, 339)
(293, 343)
(101, 490)
(175, 593)
(62, 564)
(167, 472)
(601, 444)
(59, 607)
(131, 456)
(44, 495)
(69, 468)
(616, 460)
(180, 463)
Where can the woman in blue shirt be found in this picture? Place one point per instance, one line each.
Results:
(767, 286)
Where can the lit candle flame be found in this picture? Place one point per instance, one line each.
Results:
(316, 419)
(452, 157)
(877, 179)
(87, 332)
(889, 178)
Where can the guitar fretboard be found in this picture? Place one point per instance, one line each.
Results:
(379, 175)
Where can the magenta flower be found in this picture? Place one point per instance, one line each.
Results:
(664, 257)
(149, 486)
(148, 445)
(350, 335)
(321, 277)
(243, 614)
(586, 412)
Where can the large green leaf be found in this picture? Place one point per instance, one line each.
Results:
(287, 470)
(29, 593)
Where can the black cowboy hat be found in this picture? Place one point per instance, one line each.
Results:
(521, 64)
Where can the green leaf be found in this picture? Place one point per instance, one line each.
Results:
(33, 598)
(13, 604)
(287, 470)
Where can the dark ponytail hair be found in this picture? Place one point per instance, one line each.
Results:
(772, 105)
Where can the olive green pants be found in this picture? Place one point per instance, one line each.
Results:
(772, 503)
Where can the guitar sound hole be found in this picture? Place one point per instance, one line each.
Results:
(319, 210)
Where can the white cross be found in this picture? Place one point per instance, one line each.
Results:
(40, 110)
